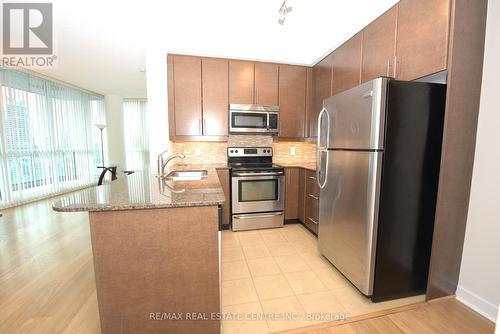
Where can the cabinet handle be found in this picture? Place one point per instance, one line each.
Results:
(313, 221)
(204, 126)
(312, 178)
(388, 69)
(200, 127)
(312, 196)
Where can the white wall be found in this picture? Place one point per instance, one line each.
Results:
(156, 65)
(479, 284)
(114, 129)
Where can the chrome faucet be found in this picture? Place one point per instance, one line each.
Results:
(163, 163)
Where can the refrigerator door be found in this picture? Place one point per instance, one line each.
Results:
(348, 214)
(356, 117)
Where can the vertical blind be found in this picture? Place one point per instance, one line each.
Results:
(136, 135)
(48, 142)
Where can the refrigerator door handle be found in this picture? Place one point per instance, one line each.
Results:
(321, 185)
(319, 128)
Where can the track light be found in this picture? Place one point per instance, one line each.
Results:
(284, 9)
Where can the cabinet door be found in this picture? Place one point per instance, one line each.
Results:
(322, 88)
(302, 193)
(215, 82)
(422, 40)
(379, 46)
(292, 100)
(224, 179)
(241, 82)
(292, 193)
(347, 65)
(266, 84)
(187, 95)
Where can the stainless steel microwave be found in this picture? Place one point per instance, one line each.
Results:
(253, 118)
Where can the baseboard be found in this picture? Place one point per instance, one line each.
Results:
(477, 303)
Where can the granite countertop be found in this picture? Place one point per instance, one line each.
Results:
(143, 190)
(306, 165)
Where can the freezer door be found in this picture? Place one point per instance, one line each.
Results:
(348, 214)
(356, 117)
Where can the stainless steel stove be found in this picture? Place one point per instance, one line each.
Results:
(257, 188)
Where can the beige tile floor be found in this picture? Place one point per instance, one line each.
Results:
(276, 279)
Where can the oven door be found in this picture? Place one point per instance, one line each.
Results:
(257, 191)
(248, 121)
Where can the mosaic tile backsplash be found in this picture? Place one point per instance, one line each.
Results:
(215, 152)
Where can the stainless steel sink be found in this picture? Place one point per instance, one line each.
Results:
(186, 175)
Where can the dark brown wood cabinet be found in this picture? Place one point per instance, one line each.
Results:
(322, 88)
(241, 81)
(311, 200)
(266, 84)
(422, 38)
(292, 100)
(215, 96)
(347, 64)
(291, 193)
(379, 46)
(225, 180)
(187, 95)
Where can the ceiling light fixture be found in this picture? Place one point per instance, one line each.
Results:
(284, 9)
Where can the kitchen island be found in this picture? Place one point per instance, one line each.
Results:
(156, 251)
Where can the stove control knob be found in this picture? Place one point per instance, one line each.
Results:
(231, 151)
(236, 151)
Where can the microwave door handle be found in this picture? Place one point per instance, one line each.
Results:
(268, 120)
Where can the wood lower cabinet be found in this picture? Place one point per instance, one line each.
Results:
(322, 88)
(311, 200)
(241, 81)
(225, 182)
(215, 84)
(379, 46)
(422, 38)
(291, 193)
(302, 197)
(266, 84)
(292, 100)
(347, 65)
(187, 95)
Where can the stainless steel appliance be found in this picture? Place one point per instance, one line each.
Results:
(253, 118)
(257, 188)
(379, 148)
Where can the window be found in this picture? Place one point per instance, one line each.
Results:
(135, 124)
(48, 141)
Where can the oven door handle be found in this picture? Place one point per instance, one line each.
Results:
(258, 174)
(253, 216)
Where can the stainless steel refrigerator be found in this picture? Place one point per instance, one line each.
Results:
(379, 149)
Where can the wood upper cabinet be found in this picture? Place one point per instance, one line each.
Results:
(215, 83)
(292, 193)
(422, 37)
(347, 65)
(321, 89)
(266, 84)
(379, 46)
(292, 100)
(241, 81)
(187, 95)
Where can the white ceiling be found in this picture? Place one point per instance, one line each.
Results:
(101, 45)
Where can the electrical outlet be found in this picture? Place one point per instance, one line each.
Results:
(197, 151)
(293, 151)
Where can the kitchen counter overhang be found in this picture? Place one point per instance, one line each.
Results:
(144, 190)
